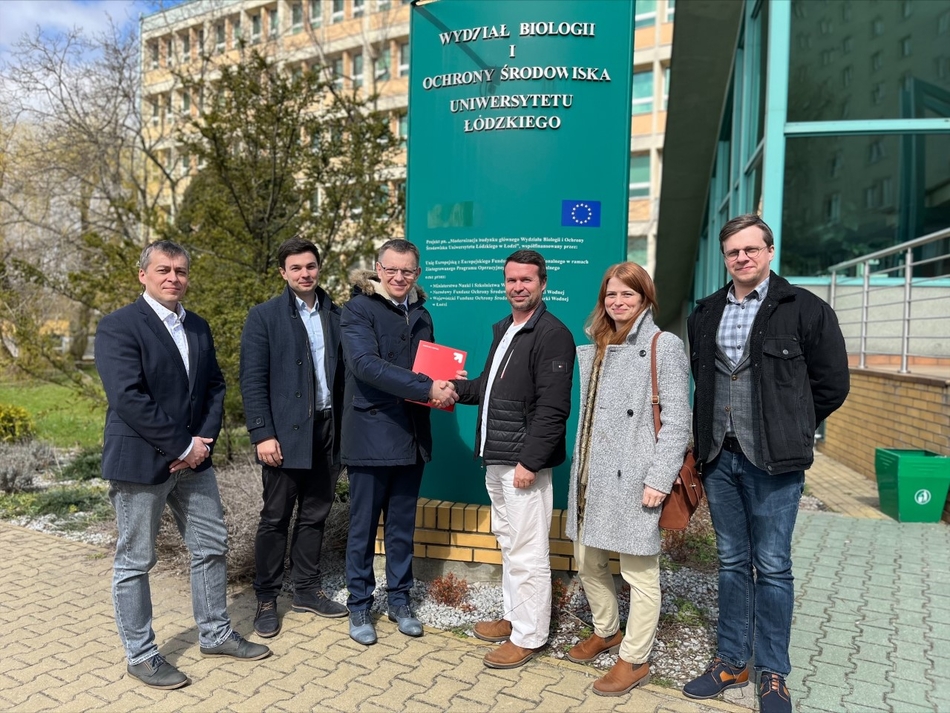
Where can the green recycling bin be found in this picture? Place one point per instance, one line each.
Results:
(912, 485)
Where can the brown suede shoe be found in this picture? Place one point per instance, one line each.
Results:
(494, 631)
(622, 678)
(508, 655)
(593, 646)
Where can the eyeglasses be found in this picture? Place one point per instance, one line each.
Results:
(733, 255)
(393, 271)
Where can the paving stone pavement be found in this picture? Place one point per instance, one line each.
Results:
(59, 650)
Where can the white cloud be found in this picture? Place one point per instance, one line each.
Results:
(19, 17)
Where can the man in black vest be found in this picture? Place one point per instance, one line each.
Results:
(292, 385)
(770, 365)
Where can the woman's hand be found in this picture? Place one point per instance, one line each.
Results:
(652, 498)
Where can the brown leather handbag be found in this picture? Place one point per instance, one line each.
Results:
(687, 492)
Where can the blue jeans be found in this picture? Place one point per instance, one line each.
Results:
(392, 490)
(196, 506)
(753, 515)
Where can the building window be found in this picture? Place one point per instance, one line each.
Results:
(383, 4)
(846, 11)
(185, 43)
(337, 14)
(404, 59)
(383, 64)
(155, 111)
(296, 17)
(336, 72)
(185, 163)
(153, 51)
(846, 76)
(643, 92)
(804, 40)
(876, 61)
(235, 32)
(646, 14)
(887, 192)
(316, 13)
(186, 103)
(256, 28)
(201, 40)
(169, 114)
(359, 6)
(403, 128)
(870, 196)
(357, 70)
(875, 151)
(640, 175)
(905, 46)
(798, 8)
(169, 52)
(877, 27)
(666, 87)
(827, 57)
(943, 23)
(833, 208)
(907, 8)
(877, 93)
(846, 45)
(825, 26)
(670, 10)
(219, 37)
(836, 165)
(273, 24)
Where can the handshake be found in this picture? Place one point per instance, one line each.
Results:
(442, 394)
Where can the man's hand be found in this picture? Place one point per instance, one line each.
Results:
(652, 498)
(199, 452)
(459, 375)
(524, 478)
(269, 453)
(442, 394)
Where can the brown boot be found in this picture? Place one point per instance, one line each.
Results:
(593, 646)
(509, 655)
(622, 678)
(495, 631)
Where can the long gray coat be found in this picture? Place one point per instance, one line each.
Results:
(623, 453)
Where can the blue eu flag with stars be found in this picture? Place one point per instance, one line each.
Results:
(580, 214)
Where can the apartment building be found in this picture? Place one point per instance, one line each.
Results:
(364, 44)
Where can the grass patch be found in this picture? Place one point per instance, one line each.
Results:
(62, 417)
(694, 547)
(89, 502)
(688, 613)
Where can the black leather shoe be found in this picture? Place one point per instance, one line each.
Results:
(318, 603)
(158, 673)
(237, 647)
(266, 622)
(407, 623)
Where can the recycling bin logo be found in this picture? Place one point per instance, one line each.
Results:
(922, 496)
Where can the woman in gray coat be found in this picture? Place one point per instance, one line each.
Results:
(622, 471)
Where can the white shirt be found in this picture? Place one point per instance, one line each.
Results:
(495, 364)
(175, 324)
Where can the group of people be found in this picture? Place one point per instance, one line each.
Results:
(326, 387)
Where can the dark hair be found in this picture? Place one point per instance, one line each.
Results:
(530, 257)
(166, 247)
(601, 327)
(296, 246)
(397, 245)
(741, 222)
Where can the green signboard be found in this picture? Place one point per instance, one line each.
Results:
(519, 137)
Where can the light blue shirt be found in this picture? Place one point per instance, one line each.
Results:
(313, 325)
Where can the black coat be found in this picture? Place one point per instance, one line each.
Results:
(380, 427)
(799, 372)
(277, 375)
(155, 406)
(530, 396)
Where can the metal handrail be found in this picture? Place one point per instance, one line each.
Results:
(863, 266)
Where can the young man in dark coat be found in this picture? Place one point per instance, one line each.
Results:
(386, 440)
(770, 365)
(292, 386)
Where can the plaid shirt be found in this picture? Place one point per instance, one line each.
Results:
(737, 319)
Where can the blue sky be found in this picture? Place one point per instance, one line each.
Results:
(23, 16)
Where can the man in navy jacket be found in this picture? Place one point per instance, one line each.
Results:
(386, 439)
(166, 400)
(292, 386)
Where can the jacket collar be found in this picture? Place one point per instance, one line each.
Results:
(324, 302)
(367, 282)
(529, 325)
(779, 288)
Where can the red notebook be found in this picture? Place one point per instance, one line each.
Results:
(438, 362)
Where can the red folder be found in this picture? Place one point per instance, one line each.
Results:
(439, 363)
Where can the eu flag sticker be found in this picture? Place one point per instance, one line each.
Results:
(580, 214)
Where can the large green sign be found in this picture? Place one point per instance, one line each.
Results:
(519, 137)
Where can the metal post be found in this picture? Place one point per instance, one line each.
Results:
(905, 327)
(834, 290)
(864, 315)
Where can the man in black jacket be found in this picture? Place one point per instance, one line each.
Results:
(770, 365)
(292, 386)
(524, 398)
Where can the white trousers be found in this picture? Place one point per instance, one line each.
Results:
(642, 573)
(521, 520)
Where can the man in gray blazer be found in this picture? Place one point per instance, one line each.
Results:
(292, 385)
(166, 400)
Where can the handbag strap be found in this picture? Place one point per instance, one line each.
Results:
(655, 400)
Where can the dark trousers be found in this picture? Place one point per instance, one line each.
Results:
(312, 491)
(392, 491)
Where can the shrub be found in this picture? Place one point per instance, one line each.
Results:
(450, 591)
(21, 462)
(85, 466)
(16, 425)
